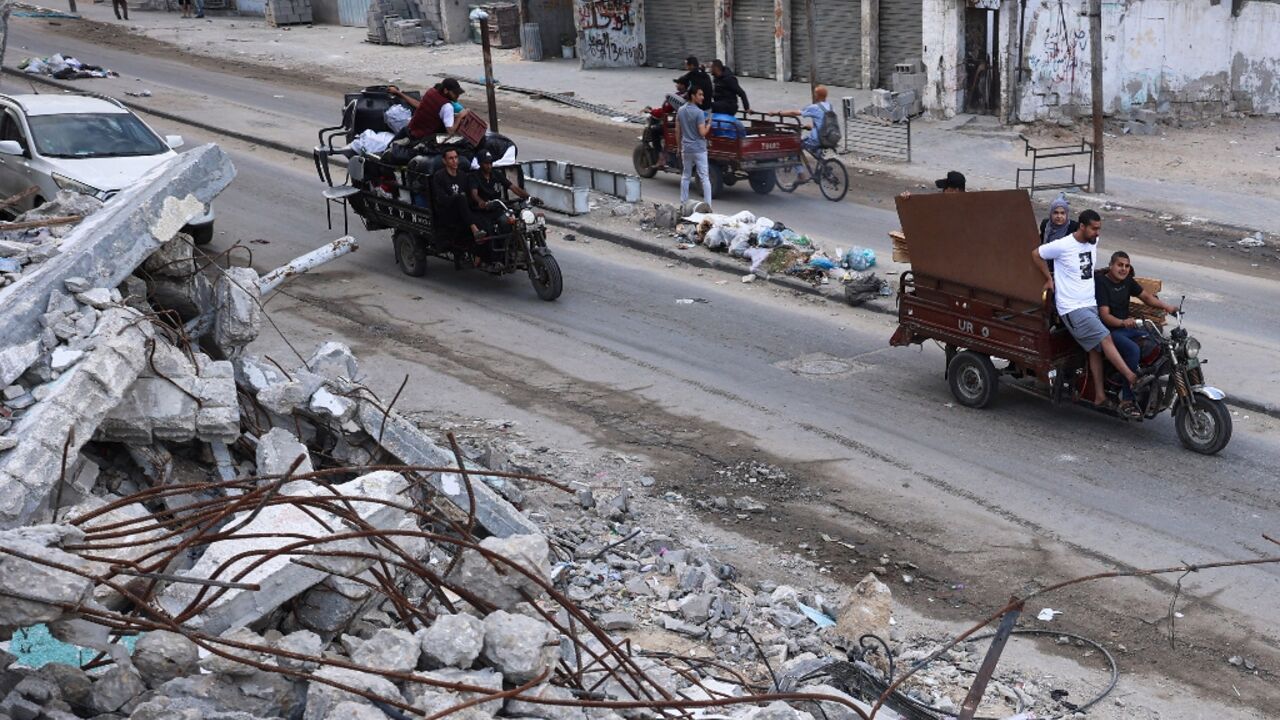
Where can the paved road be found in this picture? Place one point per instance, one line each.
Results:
(989, 498)
(1230, 313)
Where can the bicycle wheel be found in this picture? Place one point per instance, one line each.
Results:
(833, 179)
(788, 178)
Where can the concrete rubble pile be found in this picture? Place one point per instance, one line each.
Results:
(281, 542)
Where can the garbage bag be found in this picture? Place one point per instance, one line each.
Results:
(822, 263)
(757, 256)
(858, 258)
(770, 238)
(396, 117)
(727, 126)
(372, 143)
(741, 242)
(745, 217)
(717, 238)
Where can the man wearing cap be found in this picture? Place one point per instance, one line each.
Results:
(952, 183)
(433, 114)
(487, 186)
(696, 77)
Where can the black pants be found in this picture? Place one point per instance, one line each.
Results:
(120, 6)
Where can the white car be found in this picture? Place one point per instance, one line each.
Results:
(86, 143)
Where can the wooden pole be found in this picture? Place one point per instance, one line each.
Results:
(490, 95)
(813, 48)
(1099, 184)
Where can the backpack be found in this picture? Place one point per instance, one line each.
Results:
(829, 134)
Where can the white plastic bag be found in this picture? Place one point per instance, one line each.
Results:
(396, 117)
(745, 217)
(371, 143)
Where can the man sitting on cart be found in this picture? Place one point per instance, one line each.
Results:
(1074, 257)
(1114, 287)
(449, 191)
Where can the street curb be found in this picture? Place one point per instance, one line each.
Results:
(714, 262)
(173, 117)
(710, 263)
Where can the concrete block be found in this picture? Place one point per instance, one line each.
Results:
(452, 641)
(518, 646)
(277, 450)
(175, 258)
(334, 361)
(15, 359)
(42, 585)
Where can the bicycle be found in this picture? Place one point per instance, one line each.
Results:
(830, 174)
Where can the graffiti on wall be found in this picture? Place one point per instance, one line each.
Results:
(1059, 57)
(610, 32)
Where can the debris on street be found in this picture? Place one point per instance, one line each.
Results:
(60, 67)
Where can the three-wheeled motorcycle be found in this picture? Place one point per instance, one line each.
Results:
(972, 289)
(392, 190)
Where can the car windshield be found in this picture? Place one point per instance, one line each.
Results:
(93, 135)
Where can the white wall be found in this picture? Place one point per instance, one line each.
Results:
(1186, 57)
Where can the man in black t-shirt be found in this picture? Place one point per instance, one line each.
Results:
(1114, 287)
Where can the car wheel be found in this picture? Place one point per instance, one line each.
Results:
(200, 234)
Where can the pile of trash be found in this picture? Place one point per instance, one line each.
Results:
(772, 248)
(64, 68)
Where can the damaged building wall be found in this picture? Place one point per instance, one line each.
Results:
(1186, 60)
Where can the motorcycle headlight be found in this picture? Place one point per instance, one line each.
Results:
(527, 217)
(1192, 348)
(65, 183)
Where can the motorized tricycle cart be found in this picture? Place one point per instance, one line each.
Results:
(972, 288)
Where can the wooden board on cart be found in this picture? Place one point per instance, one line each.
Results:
(981, 240)
(1141, 310)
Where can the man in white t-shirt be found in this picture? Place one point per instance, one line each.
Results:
(1074, 257)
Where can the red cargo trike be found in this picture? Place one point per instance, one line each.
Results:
(973, 289)
(754, 149)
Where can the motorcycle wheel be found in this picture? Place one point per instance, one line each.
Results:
(544, 273)
(973, 379)
(762, 181)
(643, 160)
(1204, 425)
(833, 179)
(411, 253)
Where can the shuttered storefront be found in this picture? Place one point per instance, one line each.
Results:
(676, 29)
(838, 35)
(901, 28)
(753, 47)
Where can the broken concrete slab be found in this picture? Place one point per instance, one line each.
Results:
(174, 258)
(277, 451)
(280, 579)
(519, 646)
(389, 649)
(335, 361)
(180, 402)
(498, 583)
(16, 358)
(516, 707)
(161, 656)
(237, 303)
(79, 400)
(43, 588)
(411, 446)
(433, 699)
(452, 641)
(108, 245)
(322, 698)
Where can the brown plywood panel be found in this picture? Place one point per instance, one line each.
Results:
(980, 239)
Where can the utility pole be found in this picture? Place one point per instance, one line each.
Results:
(813, 48)
(1099, 184)
(490, 95)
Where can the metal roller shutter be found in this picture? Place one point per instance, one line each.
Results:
(676, 29)
(838, 34)
(901, 30)
(753, 51)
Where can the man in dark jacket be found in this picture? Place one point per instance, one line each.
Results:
(727, 91)
(449, 186)
(696, 77)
